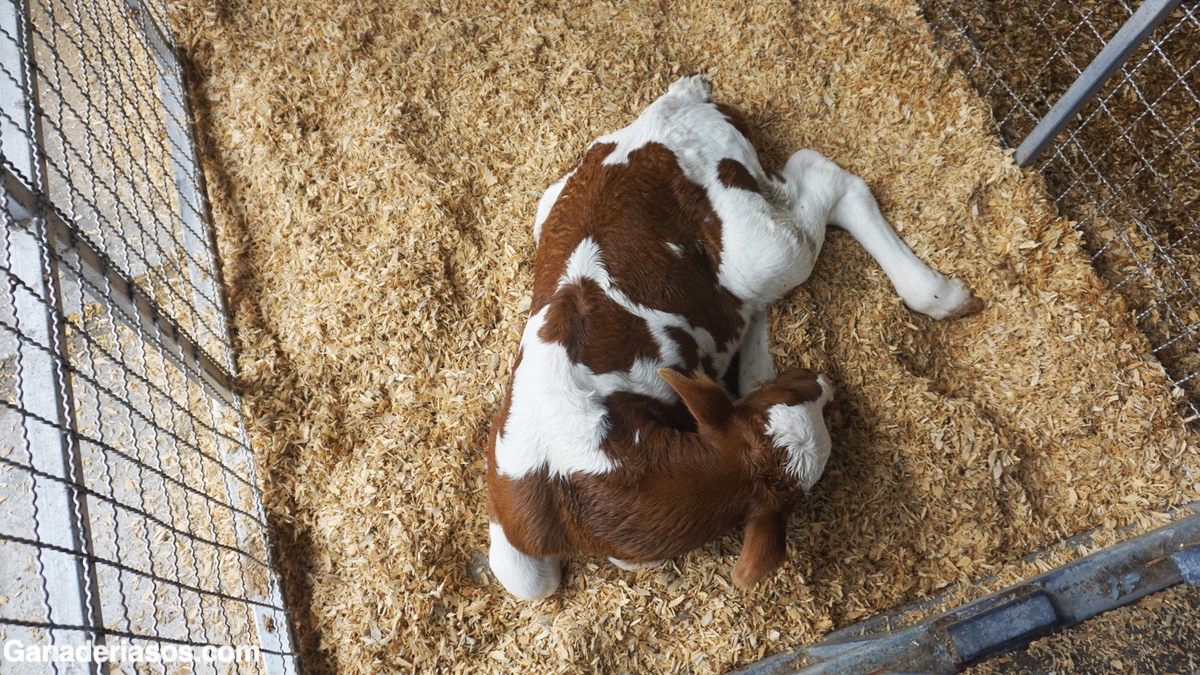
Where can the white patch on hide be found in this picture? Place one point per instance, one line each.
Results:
(635, 566)
(557, 418)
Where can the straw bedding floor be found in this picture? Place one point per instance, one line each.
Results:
(1140, 136)
(374, 170)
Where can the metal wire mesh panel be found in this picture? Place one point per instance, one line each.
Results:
(130, 516)
(1128, 169)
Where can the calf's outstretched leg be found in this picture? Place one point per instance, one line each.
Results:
(849, 204)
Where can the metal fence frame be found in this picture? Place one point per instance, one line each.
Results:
(104, 248)
(132, 516)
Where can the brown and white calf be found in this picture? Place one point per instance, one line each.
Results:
(657, 258)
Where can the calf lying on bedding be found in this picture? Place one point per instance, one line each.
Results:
(658, 256)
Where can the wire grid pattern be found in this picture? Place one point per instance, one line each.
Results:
(1127, 170)
(129, 507)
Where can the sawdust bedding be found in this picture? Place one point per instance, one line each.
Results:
(1127, 178)
(374, 170)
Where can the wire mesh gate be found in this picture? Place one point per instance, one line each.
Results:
(130, 517)
(1127, 169)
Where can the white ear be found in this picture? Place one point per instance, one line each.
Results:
(800, 429)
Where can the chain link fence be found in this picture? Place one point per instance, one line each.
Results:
(130, 514)
(1127, 169)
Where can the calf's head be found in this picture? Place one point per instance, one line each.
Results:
(775, 441)
(778, 430)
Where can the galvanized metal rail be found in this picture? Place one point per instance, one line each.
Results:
(132, 512)
(1131, 36)
(1010, 618)
(954, 639)
(134, 305)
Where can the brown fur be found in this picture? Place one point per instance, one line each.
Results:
(596, 331)
(734, 174)
(695, 475)
(631, 211)
(687, 348)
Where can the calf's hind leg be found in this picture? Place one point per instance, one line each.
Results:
(524, 576)
(635, 566)
(851, 206)
(755, 365)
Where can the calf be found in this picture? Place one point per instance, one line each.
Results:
(658, 256)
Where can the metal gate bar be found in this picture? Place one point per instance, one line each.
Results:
(1131, 36)
(1125, 169)
(1047, 603)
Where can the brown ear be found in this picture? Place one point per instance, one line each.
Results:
(706, 400)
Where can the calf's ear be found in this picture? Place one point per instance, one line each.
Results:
(706, 400)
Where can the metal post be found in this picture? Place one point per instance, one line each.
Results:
(1113, 56)
(72, 591)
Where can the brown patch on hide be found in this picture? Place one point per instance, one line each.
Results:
(734, 174)
(791, 387)
(674, 489)
(731, 376)
(532, 510)
(630, 209)
(595, 330)
(688, 348)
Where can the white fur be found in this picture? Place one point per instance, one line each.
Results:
(585, 262)
(755, 365)
(766, 249)
(557, 419)
(800, 429)
(770, 243)
(524, 576)
(843, 199)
